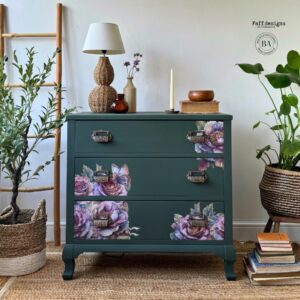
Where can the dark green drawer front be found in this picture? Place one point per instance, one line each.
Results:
(146, 137)
(147, 221)
(138, 177)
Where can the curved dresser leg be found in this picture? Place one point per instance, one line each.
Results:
(69, 261)
(69, 269)
(229, 269)
(229, 261)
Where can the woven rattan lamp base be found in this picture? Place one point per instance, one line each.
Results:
(101, 98)
(103, 95)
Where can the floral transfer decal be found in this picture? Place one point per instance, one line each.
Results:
(105, 220)
(213, 137)
(205, 163)
(116, 182)
(199, 225)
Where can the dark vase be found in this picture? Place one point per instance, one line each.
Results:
(119, 105)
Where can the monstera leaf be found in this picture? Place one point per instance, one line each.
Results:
(251, 69)
(290, 72)
(293, 59)
(279, 80)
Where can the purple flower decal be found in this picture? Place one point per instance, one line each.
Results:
(110, 188)
(119, 182)
(213, 137)
(102, 220)
(82, 221)
(210, 225)
(205, 163)
(83, 186)
(184, 231)
(217, 227)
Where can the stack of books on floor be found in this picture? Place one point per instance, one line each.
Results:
(272, 261)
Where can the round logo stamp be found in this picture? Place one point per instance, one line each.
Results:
(266, 43)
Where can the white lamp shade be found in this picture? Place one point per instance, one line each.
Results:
(103, 37)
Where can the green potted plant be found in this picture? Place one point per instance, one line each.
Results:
(280, 185)
(23, 232)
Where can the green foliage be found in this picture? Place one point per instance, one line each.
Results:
(285, 111)
(251, 69)
(16, 121)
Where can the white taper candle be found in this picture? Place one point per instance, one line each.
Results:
(171, 90)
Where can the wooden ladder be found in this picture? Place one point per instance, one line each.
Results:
(57, 135)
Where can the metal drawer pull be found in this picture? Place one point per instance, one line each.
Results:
(101, 176)
(197, 223)
(196, 176)
(196, 136)
(102, 136)
(102, 222)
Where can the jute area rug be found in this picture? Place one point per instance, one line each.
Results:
(141, 276)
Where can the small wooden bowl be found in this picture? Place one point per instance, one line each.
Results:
(201, 95)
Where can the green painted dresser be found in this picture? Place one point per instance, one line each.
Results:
(149, 182)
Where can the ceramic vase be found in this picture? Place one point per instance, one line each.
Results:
(130, 94)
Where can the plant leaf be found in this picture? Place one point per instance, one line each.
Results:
(281, 69)
(285, 108)
(279, 127)
(290, 148)
(256, 125)
(279, 80)
(291, 99)
(293, 59)
(251, 69)
(270, 112)
(262, 151)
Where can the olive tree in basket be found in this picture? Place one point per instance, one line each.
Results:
(17, 123)
(280, 184)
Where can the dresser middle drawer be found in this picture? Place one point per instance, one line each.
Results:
(202, 178)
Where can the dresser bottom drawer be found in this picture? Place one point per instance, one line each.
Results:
(142, 221)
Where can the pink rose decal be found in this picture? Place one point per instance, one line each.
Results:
(119, 182)
(213, 137)
(212, 227)
(83, 186)
(102, 220)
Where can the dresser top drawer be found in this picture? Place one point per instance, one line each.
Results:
(121, 136)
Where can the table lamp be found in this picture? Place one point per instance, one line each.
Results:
(105, 39)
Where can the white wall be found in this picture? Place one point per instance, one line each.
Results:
(201, 39)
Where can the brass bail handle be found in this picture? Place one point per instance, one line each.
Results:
(197, 176)
(102, 136)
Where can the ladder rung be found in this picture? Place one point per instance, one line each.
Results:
(49, 136)
(19, 85)
(28, 190)
(22, 35)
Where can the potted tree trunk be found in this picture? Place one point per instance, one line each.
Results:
(280, 184)
(23, 232)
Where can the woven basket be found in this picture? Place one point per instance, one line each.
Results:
(280, 191)
(23, 245)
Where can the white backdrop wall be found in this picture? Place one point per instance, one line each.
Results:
(201, 39)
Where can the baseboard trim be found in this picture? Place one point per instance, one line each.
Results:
(242, 230)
